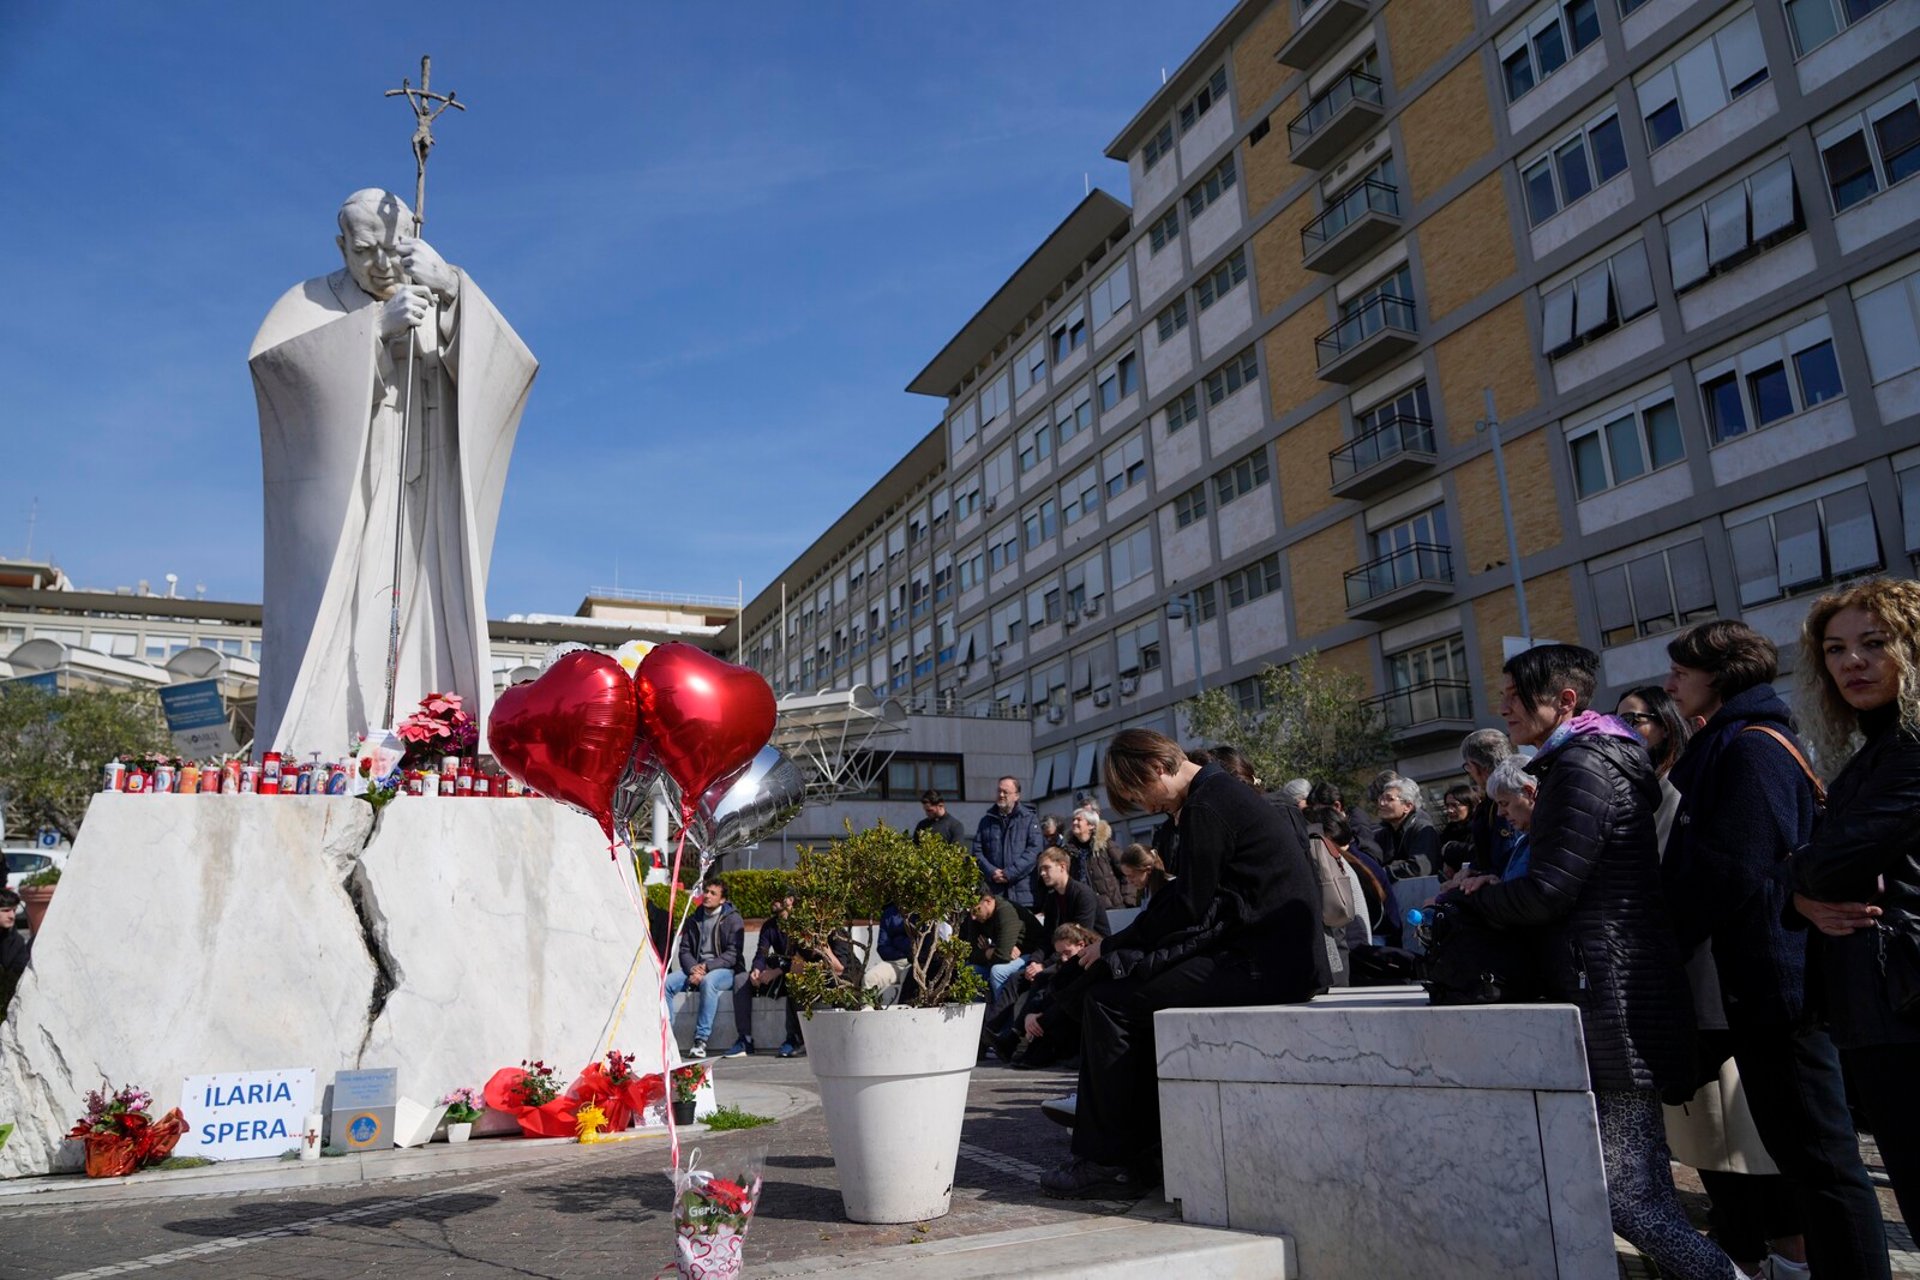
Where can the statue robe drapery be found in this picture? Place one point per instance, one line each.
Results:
(330, 395)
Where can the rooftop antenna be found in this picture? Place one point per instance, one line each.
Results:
(173, 583)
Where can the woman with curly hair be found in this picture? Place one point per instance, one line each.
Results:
(1858, 879)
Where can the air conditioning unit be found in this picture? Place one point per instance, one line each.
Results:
(1056, 714)
(990, 504)
(1102, 697)
(1073, 617)
(1093, 609)
(1129, 685)
(993, 659)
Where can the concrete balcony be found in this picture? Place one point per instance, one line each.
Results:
(1322, 26)
(1360, 221)
(1349, 109)
(1411, 577)
(1432, 711)
(1378, 331)
(1396, 450)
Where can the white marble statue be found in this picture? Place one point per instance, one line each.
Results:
(329, 371)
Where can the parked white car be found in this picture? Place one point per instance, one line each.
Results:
(26, 860)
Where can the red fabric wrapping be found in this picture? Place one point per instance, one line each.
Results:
(142, 1142)
(596, 1086)
(553, 1119)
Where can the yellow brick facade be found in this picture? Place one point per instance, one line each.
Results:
(1256, 75)
(1352, 658)
(1301, 458)
(1289, 358)
(1549, 612)
(1420, 31)
(1276, 255)
(1446, 129)
(1494, 352)
(1269, 173)
(1536, 513)
(1317, 567)
(1466, 247)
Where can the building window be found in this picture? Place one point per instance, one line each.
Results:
(1890, 323)
(1242, 478)
(972, 570)
(1132, 556)
(1031, 368)
(966, 501)
(1172, 320)
(1111, 294)
(1164, 229)
(1702, 80)
(1206, 605)
(1428, 684)
(1126, 465)
(1409, 407)
(1202, 102)
(1772, 380)
(994, 401)
(1804, 546)
(1748, 218)
(1597, 301)
(1036, 445)
(1157, 146)
(1070, 332)
(1081, 496)
(1210, 188)
(1003, 547)
(1814, 22)
(1651, 594)
(1248, 695)
(963, 425)
(1243, 370)
(1247, 585)
(1543, 45)
(1428, 529)
(1625, 444)
(1183, 410)
(1073, 413)
(1008, 623)
(1574, 166)
(1869, 152)
(1223, 279)
(1119, 380)
(1086, 583)
(1042, 521)
(1139, 648)
(1190, 506)
(997, 476)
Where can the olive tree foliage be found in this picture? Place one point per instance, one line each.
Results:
(1313, 722)
(932, 881)
(53, 746)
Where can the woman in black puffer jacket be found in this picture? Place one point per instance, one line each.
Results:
(1591, 903)
(1858, 880)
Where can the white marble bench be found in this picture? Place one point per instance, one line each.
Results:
(1386, 1137)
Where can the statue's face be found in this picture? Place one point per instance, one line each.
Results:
(368, 243)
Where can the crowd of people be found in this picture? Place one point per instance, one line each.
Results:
(1743, 942)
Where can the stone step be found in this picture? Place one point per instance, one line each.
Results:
(1135, 1247)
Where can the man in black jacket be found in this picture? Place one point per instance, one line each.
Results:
(712, 955)
(767, 978)
(1409, 844)
(1068, 901)
(14, 949)
(938, 820)
(1239, 925)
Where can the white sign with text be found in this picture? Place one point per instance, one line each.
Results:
(245, 1114)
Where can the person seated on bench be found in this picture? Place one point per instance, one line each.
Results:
(768, 979)
(1066, 900)
(1005, 1030)
(999, 933)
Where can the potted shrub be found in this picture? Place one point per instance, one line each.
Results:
(893, 1082)
(36, 891)
(686, 1091)
(464, 1106)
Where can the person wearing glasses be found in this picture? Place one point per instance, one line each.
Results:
(1747, 800)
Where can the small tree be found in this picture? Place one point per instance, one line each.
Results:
(931, 881)
(53, 745)
(1313, 722)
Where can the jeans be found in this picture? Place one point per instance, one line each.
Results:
(711, 988)
(997, 977)
(1882, 1077)
(1793, 1083)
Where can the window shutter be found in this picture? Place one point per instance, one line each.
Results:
(1727, 225)
(1687, 248)
(1632, 282)
(1593, 307)
(1692, 582)
(1772, 199)
(1556, 322)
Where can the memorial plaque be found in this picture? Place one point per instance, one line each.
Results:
(363, 1106)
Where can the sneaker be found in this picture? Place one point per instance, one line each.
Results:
(1778, 1268)
(792, 1050)
(699, 1049)
(1062, 1111)
(741, 1048)
(1080, 1179)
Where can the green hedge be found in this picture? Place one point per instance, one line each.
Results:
(752, 892)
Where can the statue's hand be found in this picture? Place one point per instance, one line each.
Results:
(407, 309)
(427, 267)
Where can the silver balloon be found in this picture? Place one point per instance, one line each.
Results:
(640, 782)
(754, 801)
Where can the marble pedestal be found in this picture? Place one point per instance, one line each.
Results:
(1386, 1137)
(223, 933)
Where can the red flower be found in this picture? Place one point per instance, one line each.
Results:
(730, 1196)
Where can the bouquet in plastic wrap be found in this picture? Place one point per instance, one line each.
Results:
(712, 1209)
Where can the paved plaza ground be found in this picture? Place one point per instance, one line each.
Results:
(512, 1208)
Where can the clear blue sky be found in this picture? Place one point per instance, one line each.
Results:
(730, 232)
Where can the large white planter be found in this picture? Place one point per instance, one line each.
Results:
(893, 1083)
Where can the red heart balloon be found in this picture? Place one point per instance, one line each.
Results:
(703, 716)
(569, 733)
